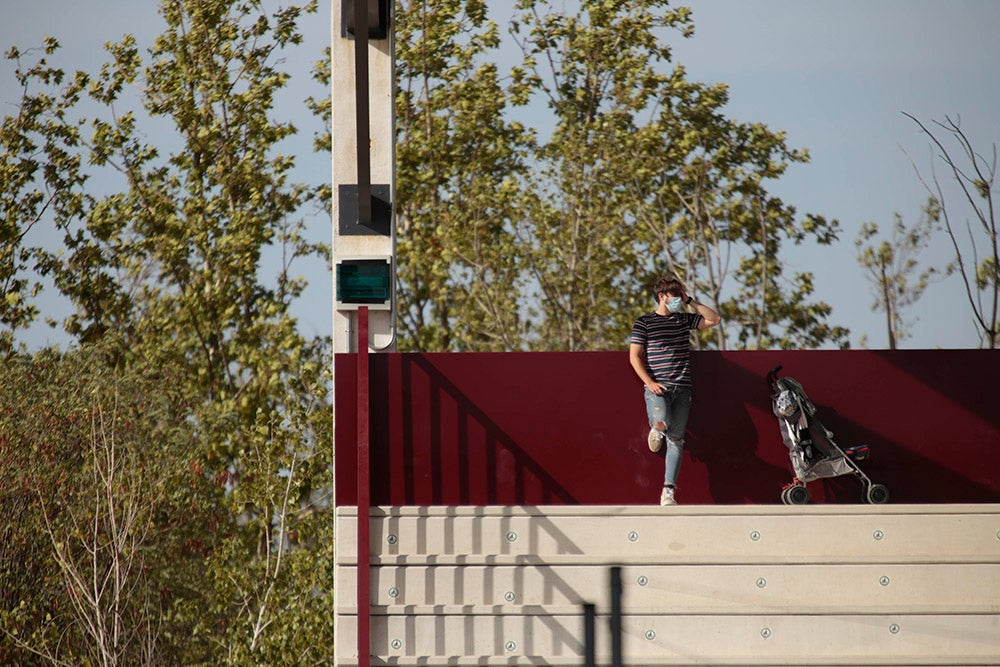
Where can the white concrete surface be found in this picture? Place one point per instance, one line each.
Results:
(740, 585)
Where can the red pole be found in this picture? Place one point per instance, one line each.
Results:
(364, 548)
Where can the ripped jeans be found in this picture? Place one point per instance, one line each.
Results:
(673, 407)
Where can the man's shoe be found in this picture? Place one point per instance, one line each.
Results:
(667, 496)
(655, 439)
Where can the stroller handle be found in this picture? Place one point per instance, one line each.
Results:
(772, 376)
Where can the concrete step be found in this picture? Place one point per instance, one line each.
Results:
(721, 585)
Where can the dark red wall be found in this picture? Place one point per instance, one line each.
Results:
(570, 428)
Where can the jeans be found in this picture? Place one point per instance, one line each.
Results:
(672, 407)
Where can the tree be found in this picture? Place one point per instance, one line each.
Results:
(458, 164)
(706, 210)
(33, 173)
(111, 521)
(510, 238)
(643, 175)
(167, 255)
(975, 177)
(593, 70)
(891, 266)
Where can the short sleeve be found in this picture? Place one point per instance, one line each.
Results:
(639, 336)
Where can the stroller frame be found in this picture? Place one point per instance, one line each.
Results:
(812, 451)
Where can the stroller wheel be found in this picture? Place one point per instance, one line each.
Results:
(795, 495)
(877, 494)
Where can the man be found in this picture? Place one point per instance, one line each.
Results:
(660, 353)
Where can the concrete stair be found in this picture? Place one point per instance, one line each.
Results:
(720, 585)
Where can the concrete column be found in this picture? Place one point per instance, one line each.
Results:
(378, 240)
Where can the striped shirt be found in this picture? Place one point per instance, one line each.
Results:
(667, 341)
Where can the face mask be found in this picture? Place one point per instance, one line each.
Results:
(675, 305)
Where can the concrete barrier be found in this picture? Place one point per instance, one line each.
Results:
(719, 585)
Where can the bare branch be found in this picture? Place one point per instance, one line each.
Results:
(974, 188)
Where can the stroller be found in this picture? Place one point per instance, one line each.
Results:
(813, 453)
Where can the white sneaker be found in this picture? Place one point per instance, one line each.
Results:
(655, 439)
(667, 496)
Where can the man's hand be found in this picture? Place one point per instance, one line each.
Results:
(656, 388)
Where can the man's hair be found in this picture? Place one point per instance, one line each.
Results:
(671, 286)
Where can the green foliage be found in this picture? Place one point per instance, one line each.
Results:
(641, 175)
(891, 266)
(35, 171)
(166, 258)
(458, 166)
(113, 516)
(578, 229)
(322, 108)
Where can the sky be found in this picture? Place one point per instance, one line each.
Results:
(834, 75)
(82, 28)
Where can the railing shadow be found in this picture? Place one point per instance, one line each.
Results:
(569, 428)
(475, 462)
(563, 639)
